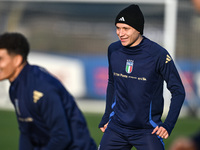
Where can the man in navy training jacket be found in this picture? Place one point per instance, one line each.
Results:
(138, 68)
(47, 114)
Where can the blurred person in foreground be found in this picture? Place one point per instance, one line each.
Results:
(187, 143)
(196, 5)
(47, 114)
(138, 68)
(193, 142)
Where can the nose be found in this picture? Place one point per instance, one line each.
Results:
(120, 32)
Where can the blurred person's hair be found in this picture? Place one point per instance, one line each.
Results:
(15, 43)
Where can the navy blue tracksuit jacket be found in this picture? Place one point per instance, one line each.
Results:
(135, 87)
(47, 115)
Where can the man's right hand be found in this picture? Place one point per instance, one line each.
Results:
(104, 127)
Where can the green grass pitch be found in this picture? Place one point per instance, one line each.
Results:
(9, 129)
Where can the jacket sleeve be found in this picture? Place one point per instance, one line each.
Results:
(196, 139)
(24, 142)
(170, 74)
(109, 94)
(52, 111)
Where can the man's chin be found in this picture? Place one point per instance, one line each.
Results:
(1, 79)
(124, 43)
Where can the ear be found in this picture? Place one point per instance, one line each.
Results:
(18, 60)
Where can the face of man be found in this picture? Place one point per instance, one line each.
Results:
(8, 65)
(128, 35)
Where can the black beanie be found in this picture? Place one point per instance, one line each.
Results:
(132, 16)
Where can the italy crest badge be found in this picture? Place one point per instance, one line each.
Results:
(129, 66)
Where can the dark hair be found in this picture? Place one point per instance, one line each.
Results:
(15, 43)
